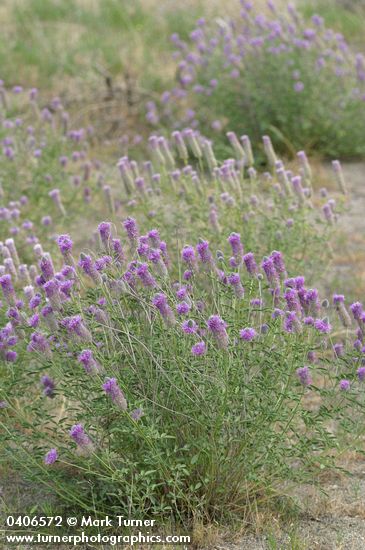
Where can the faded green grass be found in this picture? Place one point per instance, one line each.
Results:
(347, 17)
(47, 41)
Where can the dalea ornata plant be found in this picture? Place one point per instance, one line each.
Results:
(50, 180)
(268, 73)
(139, 380)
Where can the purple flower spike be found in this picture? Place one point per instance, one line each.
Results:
(130, 225)
(250, 263)
(188, 256)
(361, 374)
(189, 326)
(338, 349)
(118, 250)
(235, 281)
(304, 376)
(204, 253)
(112, 389)
(199, 349)
(48, 385)
(154, 238)
(88, 362)
(145, 276)
(160, 302)
(87, 265)
(51, 457)
(323, 325)
(137, 414)
(344, 385)
(183, 308)
(8, 289)
(217, 327)
(46, 267)
(248, 334)
(65, 244)
(82, 440)
(270, 271)
(356, 309)
(39, 343)
(235, 241)
(105, 233)
(278, 260)
(76, 327)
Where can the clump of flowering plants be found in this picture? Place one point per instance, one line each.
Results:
(181, 187)
(269, 73)
(154, 383)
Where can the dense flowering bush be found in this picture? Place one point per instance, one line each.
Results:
(164, 384)
(176, 368)
(50, 179)
(277, 74)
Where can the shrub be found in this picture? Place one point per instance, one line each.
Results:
(50, 178)
(177, 371)
(161, 385)
(275, 74)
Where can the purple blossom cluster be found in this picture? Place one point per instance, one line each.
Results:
(299, 59)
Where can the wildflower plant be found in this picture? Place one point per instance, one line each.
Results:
(171, 360)
(154, 409)
(272, 72)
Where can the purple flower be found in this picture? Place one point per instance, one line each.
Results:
(291, 298)
(160, 302)
(48, 385)
(291, 322)
(338, 299)
(137, 414)
(235, 281)
(250, 263)
(87, 265)
(188, 255)
(82, 440)
(323, 325)
(344, 385)
(338, 349)
(235, 241)
(183, 308)
(105, 233)
(270, 271)
(279, 265)
(199, 349)
(304, 376)
(65, 244)
(76, 327)
(217, 327)
(118, 250)
(145, 276)
(248, 334)
(299, 86)
(130, 225)
(189, 326)
(154, 238)
(51, 457)
(356, 309)
(11, 356)
(204, 253)
(88, 362)
(361, 374)
(112, 389)
(46, 267)
(8, 289)
(38, 342)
